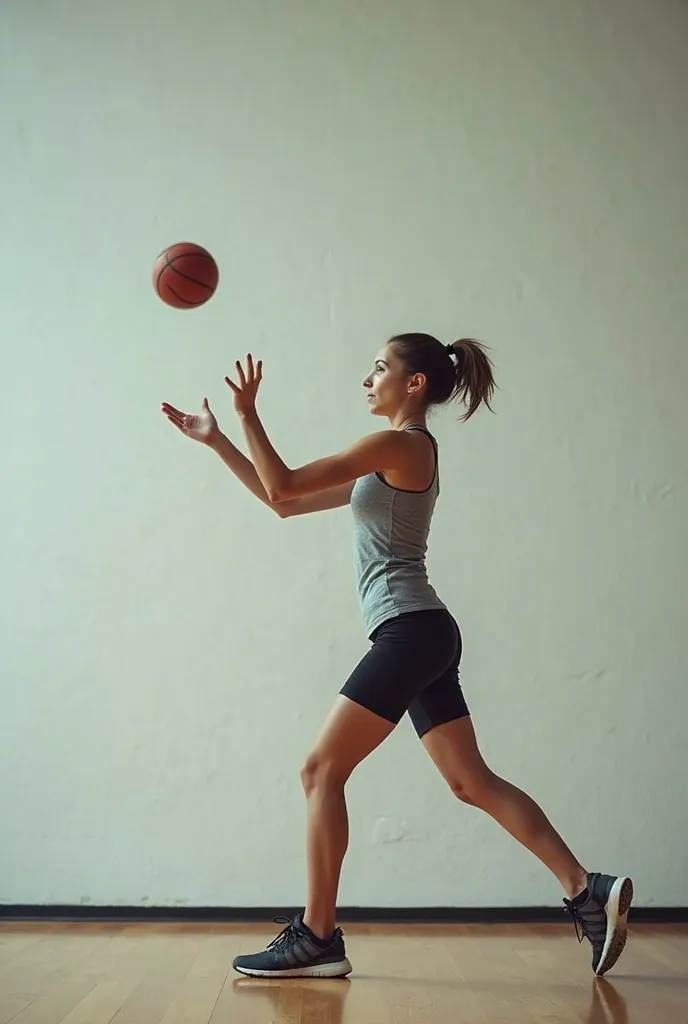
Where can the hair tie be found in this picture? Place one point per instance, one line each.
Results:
(451, 351)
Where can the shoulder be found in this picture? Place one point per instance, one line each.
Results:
(385, 449)
(382, 441)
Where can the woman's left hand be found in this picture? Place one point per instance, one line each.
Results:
(246, 390)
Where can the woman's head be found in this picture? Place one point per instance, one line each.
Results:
(415, 371)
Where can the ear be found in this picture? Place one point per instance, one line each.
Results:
(416, 383)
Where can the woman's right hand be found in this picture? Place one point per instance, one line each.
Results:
(199, 427)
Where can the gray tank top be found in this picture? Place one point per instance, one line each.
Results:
(391, 528)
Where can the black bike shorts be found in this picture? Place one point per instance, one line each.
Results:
(413, 665)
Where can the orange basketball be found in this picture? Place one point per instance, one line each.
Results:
(185, 275)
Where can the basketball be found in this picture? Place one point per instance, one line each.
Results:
(185, 275)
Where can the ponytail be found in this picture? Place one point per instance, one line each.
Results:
(460, 371)
(474, 384)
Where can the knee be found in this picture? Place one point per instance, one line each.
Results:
(309, 773)
(474, 790)
(319, 772)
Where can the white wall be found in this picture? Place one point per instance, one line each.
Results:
(515, 169)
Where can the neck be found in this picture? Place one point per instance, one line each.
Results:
(402, 420)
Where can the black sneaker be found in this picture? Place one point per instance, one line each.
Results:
(297, 953)
(600, 915)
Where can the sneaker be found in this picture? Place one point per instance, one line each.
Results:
(600, 915)
(297, 953)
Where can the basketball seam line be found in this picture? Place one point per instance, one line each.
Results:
(182, 255)
(187, 277)
(181, 298)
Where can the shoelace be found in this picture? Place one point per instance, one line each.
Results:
(285, 937)
(581, 930)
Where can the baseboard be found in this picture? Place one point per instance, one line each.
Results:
(364, 915)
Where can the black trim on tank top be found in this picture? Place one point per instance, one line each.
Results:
(404, 490)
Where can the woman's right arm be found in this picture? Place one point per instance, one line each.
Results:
(244, 470)
(202, 427)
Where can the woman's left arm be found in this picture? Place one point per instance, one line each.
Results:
(379, 452)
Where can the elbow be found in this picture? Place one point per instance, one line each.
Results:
(280, 491)
(281, 509)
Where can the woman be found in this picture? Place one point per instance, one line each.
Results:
(390, 479)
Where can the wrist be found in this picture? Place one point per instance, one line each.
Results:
(214, 440)
(249, 416)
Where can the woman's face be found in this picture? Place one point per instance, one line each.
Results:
(387, 383)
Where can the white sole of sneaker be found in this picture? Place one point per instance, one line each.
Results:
(616, 909)
(336, 970)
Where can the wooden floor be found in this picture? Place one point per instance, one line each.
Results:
(180, 974)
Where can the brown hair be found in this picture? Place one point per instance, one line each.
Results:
(460, 371)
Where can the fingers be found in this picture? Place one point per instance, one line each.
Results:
(254, 373)
(174, 416)
(179, 419)
(170, 409)
(232, 385)
(179, 425)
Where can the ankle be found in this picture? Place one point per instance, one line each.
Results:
(576, 884)
(322, 927)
